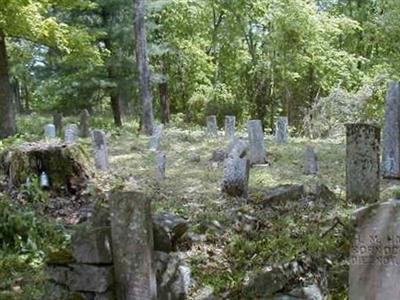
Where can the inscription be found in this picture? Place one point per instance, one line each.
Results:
(376, 249)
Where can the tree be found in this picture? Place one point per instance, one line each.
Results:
(7, 114)
(31, 20)
(143, 68)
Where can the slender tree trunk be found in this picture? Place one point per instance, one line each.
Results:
(116, 107)
(113, 91)
(164, 101)
(143, 68)
(27, 96)
(8, 125)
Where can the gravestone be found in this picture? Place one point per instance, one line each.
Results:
(375, 253)
(212, 127)
(362, 162)
(100, 150)
(132, 239)
(58, 122)
(161, 162)
(84, 124)
(281, 131)
(391, 135)
(50, 131)
(236, 170)
(230, 122)
(256, 142)
(310, 161)
(71, 133)
(155, 139)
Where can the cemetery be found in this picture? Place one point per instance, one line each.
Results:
(199, 150)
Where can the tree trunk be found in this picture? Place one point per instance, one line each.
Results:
(164, 101)
(115, 106)
(143, 68)
(8, 125)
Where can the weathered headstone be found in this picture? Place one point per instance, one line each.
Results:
(391, 135)
(236, 170)
(100, 150)
(362, 162)
(310, 161)
(50, 131)
(71, 133)
(84, 124)
(281, 131)
(212, 127)
(230, 123)
(256, 142)
(155, 139)
(375, 253)
(132, 238)
(58, 122)
(161, 162)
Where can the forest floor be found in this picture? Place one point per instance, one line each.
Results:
(229, 246)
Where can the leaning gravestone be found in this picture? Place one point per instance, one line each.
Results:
(281, 131)
(71, 133)
(391, 135)
(84, 126)
(256, 142)
(155, 139)
(100, 150)
(230, 122)
(310, 161)
(161, 162)
(58, 122)
(362, 163)
(132, 239)
(375, 253)
(50, 131)
(212, 127)
(236, 170)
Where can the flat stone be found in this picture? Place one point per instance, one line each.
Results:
(89, 278)
(288, 192)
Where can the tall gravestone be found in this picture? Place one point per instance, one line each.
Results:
(362, 163)
(50, 131)
(132, 239)
(310, 161)
(155, 139)
(281, 130)
(84, 124)
(375, 253)
(100, 150)
(58, 122)
(230, 123)
(256, 142)
(391, 135)
(212, 127)
(161, 163)
(236, 170)
(71, 133)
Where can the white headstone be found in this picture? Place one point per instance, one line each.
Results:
(71, 133)
(281, 131)
(230, 122)
(50, 131)
(256, 142)
(100, 150)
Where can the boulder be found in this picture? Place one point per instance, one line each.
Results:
(167, 231)
(90, 278)
(92, 245)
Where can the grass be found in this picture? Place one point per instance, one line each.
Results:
(192, 190)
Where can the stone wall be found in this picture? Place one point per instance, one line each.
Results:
(86, 270)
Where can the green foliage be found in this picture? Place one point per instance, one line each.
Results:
(22, 231)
